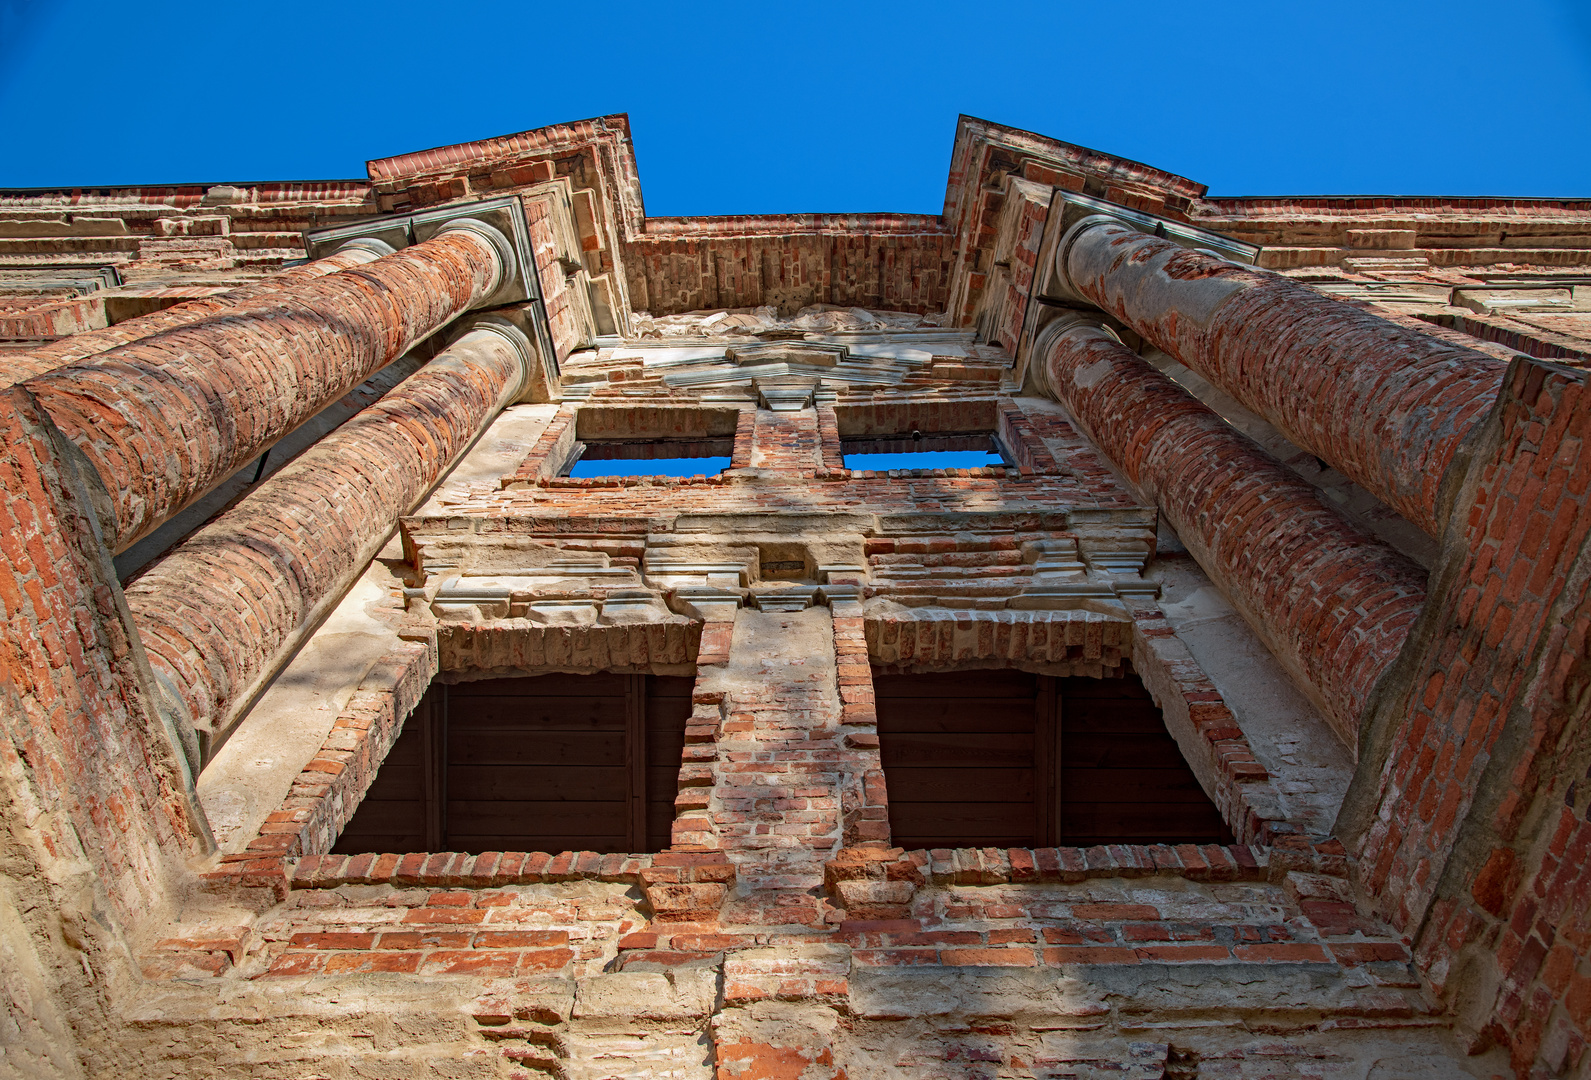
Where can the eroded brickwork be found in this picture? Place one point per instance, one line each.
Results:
(1328, 597)
(141, 413)
(1384, 405)
(1486, 753)
(1438, 929)
(293, 544)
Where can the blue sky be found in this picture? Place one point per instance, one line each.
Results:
(813, 107)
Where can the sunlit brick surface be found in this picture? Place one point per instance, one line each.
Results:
(1396, 742)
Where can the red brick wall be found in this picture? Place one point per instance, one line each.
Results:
(1475, 824)
(90, 773)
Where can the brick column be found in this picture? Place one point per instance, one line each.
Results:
(278, 559)
(1385, 405)
(80, 346)
(1333, 604)
(164, 419)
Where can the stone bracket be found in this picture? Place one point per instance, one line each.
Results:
(790, 394)
(1058, 558)
(705, 602)
(795, 598)
(1116, 558)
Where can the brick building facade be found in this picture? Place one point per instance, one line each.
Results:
(1229, 721)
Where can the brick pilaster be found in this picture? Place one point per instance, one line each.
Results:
(787, 442)
(779, 765)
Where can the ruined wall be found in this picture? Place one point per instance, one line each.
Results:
(1472, 830)
(96, 809)
(781, 934)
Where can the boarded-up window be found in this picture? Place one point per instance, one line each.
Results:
(1010, 759)
(549, 763)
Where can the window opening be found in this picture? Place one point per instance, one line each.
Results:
(652, 457)
(1010, 759)
(919, 450)
(545, 763)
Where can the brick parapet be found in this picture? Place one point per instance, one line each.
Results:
(1334, 604)
(145, 414)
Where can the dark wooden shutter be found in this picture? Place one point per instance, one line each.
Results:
(547, 763)
(1123, 777)
(958, 754)
(1010, 759)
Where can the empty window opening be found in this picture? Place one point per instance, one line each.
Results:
(922, 450)
(652, 457)
(1010, 759)
(547, 763)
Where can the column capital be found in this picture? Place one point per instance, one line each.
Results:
(536, 382)
(501, 221)
(1072, 214)
(1039, 375)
